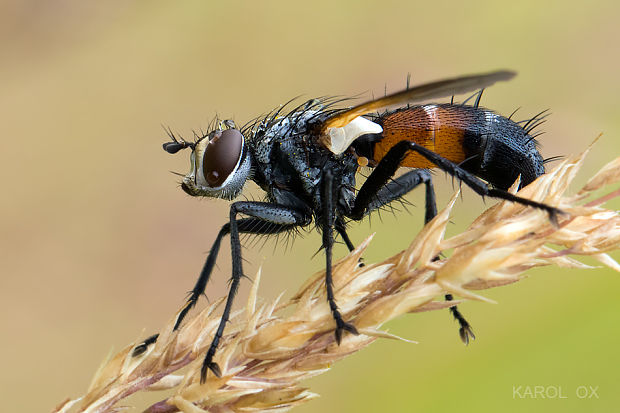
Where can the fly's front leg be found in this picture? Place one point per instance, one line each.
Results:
(237, 273)
(327, 224)
(197, 291)
(246, 226)
(273, 213)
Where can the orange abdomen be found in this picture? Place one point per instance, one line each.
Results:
(438, 128)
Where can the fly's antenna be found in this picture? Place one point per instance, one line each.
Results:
(176, 144)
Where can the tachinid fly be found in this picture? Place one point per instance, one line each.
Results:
(306, 161)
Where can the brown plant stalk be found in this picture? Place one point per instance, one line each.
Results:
(265, 355)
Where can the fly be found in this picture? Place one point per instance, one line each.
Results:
(306, 162)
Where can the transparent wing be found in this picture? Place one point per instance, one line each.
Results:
(433, 90)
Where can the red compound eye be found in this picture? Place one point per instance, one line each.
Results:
(221, 156)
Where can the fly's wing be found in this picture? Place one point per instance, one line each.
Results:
(340, 130)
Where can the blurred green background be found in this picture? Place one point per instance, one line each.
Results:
(99, 245)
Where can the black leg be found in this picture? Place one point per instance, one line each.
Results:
(396, 189)
(340, 227)
(277, 214)
(237, 273)
(368, 194)
(378, 191)
(475, 183)
(374, 197)
(204, 276)
(280, 219)
(327, 226)
(465, 331)
(246, 225)
(141, 348)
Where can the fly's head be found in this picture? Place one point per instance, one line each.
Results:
(220, 162)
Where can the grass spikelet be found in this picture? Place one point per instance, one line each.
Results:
(265, 356)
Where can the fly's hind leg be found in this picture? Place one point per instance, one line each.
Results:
(465, 331)
(368, 197)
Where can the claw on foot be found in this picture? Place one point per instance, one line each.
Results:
(139, 350)
(553, 217)
(142, 347)
(466, 333)
(346, 327)
(554, 214)
(206, 366)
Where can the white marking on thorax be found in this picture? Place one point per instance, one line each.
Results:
(339, 139)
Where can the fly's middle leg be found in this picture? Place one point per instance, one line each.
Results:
(342, 230)
(380, 189)
(327, 226)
